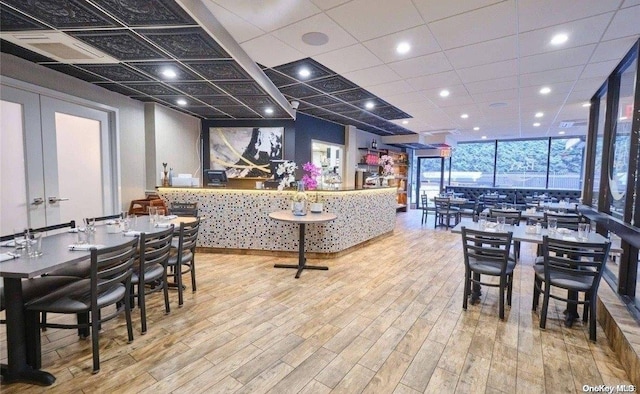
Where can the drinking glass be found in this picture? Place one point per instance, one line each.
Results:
(159, 215)
(90, 225)
(83, 237)
(482, 222)
(552, 225)
(583, 231)
(153, 211)
(35, 245)
(501, 221)
(20, 240)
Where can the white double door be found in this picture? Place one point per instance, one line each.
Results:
(57, 161)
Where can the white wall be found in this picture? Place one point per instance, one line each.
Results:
(130, 122)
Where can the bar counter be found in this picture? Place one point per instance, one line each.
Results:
(237, 221)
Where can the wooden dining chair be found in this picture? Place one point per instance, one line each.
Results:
(575, 267)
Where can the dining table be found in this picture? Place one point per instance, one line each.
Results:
(525, 234)
(302, 221)
(58, 250)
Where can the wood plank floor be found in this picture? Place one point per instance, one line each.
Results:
(384, 319)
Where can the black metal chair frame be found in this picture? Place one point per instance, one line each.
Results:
(566, 220)
(110, 268)
(444, 212)
(184, 256)
(570, 265)
(491, 251)
(426, 208)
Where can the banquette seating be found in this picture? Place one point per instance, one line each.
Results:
(513, 195)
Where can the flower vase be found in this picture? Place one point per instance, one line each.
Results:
(165, 179)
(299, 208)
(385, 182)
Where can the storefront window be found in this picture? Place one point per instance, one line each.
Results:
(598, 154)
(472, 164)
(522, 164)
(566, 163)
(621, 142)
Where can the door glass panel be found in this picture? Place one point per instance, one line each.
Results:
(79, 167)
(13, 187)
(429, 176)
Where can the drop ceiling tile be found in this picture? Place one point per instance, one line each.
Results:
(625, 23)
(219, 70)
(186, 44)
(208, 112)
(420, 39)
(613, 49)
(557, 59)
(432, 10)
(219, 100)
(435, 81)
(118, 88)
(599, 70)
(316, 70)
(492, 85)
(270, 51)
(504, 48)
(240, 88)
(238, 111)
(488, 23)
(347, 59)
(299, 91)
(121, 44)
(195, 88)
(292, 35)
(496, 96)
(155, 69)
(321, 100)
(489, 71)
(423, 65)
(367, 19)
(270, 15)
(580, 32)
(239, 29)
(332, 84)
(279, 79)
(258, 101)
(152, 88)
(391, 88)
(340, 108)
(551, 76)
(588, 85)
(372, 76)
(164, 13)
(328, 4)
(555, 12)
(390, 113)
(115, 72)
(401, 100)
(64, 14)
(354, 95)
(11, 20)
(13, 49)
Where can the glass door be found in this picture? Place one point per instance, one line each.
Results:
(429, 177)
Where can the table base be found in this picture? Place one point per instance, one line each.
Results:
(300, 268)
(29, 375)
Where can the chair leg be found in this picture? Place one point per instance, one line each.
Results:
(44, 321)
(585, 309)
(193, 272)
(467, 289)
(592, 318)
(501, 304)
(143, 307)
(545, 306)
(536, 294)
(165, 288)
(95, 336)
(178, 279)
(83, 323)
(127, 314)
(509, 288)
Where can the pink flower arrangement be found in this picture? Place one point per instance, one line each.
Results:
(311, 173)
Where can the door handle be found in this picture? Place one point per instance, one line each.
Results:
(37, 201)
(53, 200)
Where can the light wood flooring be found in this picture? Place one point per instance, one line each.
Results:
(387, 318)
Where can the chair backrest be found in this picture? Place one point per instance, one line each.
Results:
(565, 220)
(486, 246)
(425, 201)
(442, 202)
(158, 203)
(514, 215)
(490, 200)
(188, 236)
(184, 209)
(577, 259)
(154, 249)
(110, 267)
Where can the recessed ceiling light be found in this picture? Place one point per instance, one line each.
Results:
(561, 132)
(405, 122)
(476, 128)
(268, 111)
(169, 73)
(181, 102)
(484, 137)
(464, 116)
(559, 39)
(539, 114)
(586, 105)
(403, 48)
(536, 124)
(315, 38)
(444, 93)
(304, 72)
(369, 105)
(545, 90)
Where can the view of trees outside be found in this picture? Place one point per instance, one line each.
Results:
(472, 164)
(566, 163)
(522, 163)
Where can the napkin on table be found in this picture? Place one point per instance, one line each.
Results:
(132, 233)
(171, 217)
(10, 243)
(84, 246)
(7, 256)
(163, 225)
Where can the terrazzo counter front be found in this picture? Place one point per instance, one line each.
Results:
(236, 220)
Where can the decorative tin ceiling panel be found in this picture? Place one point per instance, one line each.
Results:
(152, 88)
(279, 79)
(146, 12)
(187, 44)
(241, 88)
(196, 88)
(75, 72)
(333, 84)
(64, 14)
(218, 100)
(115, 72)
(11, 20)
(219, 70)
(121, 44)
(299, 91)
(315, 70)
(156, 70)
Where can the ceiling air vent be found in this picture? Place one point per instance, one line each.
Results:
(565, 124)
(58, 46)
